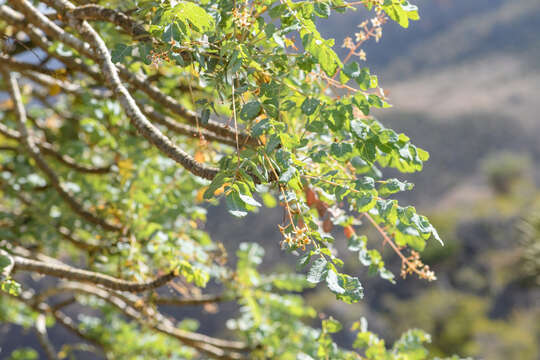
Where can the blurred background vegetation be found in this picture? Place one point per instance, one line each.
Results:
(464, 82)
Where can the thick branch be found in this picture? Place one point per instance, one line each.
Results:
(99, 13)
(103, 58)
(71, 273)
(138, 81)
(155, 116)
(64, 303)
(137, 118)
(43, 76)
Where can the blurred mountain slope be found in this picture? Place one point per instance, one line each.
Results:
(486, 63)
(463, 57)
(504, 30)
(465, 88)
(502, 85)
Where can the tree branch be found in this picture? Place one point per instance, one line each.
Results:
(39, 39)
(138, 81)
(34, 152)
(48, 149)
(128, 304)
(34, 16)
(41, 331)
(67, 87)
(183, 129)
(29, 299)
(96, 12)
(137, 118)
(71, 273)
(200, 300)
(66, 234)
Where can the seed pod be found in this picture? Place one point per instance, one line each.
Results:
(311, 197)
(327, 225)
(321, 207)
(349, 231)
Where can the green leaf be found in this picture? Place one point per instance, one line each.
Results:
(192, 274)
(272, 143)
(345, 287)
(341, 149)
(276, 11)
(331, 325)
(352, 70)
(6, 265)
(365, 202)
(422, 154)
(304, 260)
(218, 182)
(359, 129)
(269, 200)
(205, 116)
(322, 9)
(144, 52)
(316, 126)
(392, 186)
(376, 101)
(250, 110)
(10, 286)
(328, 60)
(191, 13)
(318, 271)
(288, 174)
(119, 52)
(332, 281)
(436, 236)
(320, 49)
(172, 32)
(5, 261)
(309, 106)
(248, 199)
(361, 103)
(235, 204)
(364, 79)
(260, 127)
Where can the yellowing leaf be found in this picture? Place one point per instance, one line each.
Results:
(54, 90)
(200, 194)
(199, 156)
(220, 190)
(6, 105)
(125, 169)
